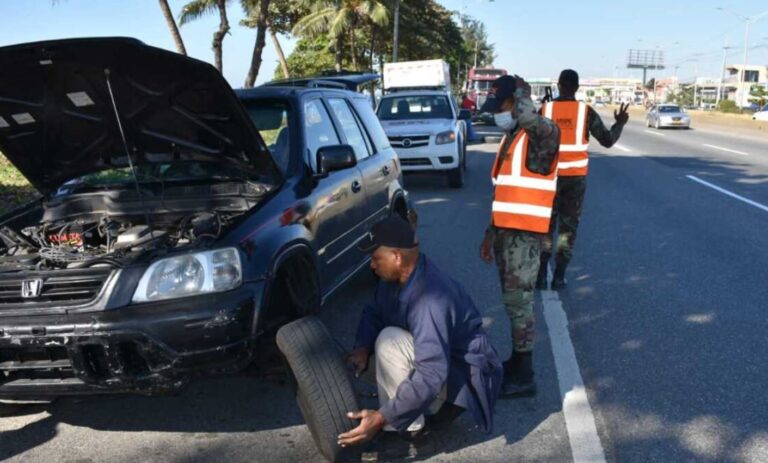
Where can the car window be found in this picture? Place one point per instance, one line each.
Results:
(415, 107)
(318, 130)
(372, 124)
(271, 120)
(669, 109)
(349, 126)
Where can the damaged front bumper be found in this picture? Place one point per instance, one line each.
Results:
(151, 348)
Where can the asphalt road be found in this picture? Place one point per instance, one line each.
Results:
(666, 308)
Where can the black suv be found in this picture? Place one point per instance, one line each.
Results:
(180, 221)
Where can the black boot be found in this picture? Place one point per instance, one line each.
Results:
(541, 279)
(558, 279)
(518, 376)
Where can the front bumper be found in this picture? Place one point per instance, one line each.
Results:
(150, 348)
(670, 123)
(429, 157)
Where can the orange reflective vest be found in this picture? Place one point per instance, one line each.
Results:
(571, 117)
(521, 199)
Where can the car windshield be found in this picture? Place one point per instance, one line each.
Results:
(482, 85)
(415, 107)
(157, 172)
(669, 109)
(271, 120)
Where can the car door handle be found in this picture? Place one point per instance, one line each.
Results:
(356, 187)
(385, 170)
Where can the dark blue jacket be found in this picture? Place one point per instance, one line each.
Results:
(450, 345)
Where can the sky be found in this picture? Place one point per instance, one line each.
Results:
(532, 38)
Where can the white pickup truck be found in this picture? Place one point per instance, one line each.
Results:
(422, 121)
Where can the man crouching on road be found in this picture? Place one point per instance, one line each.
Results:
(430, 351)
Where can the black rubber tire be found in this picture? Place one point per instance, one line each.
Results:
(456, 176)
(324, 390)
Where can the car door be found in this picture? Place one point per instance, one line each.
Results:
(375, 175)
(339, 200)
(380, 168)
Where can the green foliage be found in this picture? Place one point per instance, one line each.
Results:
(759, 94)
(195, 10)
(728, 106)
(309, 58)
(683, 97)
(15, 190)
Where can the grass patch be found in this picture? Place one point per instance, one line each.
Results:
(15, 190)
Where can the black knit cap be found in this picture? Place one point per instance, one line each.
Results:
(392, 232)
(569, 77)
(501, 89)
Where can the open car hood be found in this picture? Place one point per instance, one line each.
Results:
(57, 119)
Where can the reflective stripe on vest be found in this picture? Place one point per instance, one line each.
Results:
(521, 199)
(571, 117)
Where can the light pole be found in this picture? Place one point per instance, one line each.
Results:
(743, 74)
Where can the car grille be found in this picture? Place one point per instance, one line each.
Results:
(49, 362)
(675, 118)
(62, 287)
(415, 162)
(415, 141)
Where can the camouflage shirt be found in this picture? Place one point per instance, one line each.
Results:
(596, 127)
(543, 134)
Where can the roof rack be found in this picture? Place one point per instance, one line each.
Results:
(435, 88)
(343, 80)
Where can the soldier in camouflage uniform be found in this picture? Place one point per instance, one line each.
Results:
(516, 251)
(571, 188)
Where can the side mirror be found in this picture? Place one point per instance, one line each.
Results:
(465, 114)
(333, 158)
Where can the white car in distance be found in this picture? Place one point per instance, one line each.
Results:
(427, 131)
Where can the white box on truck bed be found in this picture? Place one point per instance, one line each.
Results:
(413, 74)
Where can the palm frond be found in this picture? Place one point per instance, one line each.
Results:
(315, 23)
(195, 10)
(343, 21)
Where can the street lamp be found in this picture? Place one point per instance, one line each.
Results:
(747, 20)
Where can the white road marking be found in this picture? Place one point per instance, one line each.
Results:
(655, 133)
(726, 192)
(726, 149)
(579, 420)
(623, 148)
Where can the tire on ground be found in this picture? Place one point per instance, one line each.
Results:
(324, 390)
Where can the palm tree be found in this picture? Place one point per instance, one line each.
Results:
(338, 18)
(172, 26)
(198, 8)
(257, 17)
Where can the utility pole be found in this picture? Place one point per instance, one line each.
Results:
(475, 54)
(396, 32)
(743, 77)
(722, 75)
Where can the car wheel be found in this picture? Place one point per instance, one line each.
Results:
(647, 122)
(324, 390)
(456, 176)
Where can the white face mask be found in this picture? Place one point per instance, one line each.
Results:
(505, 120)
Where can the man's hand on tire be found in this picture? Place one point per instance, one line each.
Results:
(371, 422)
(357, 360)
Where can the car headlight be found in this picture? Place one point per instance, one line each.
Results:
(445, 137)
(190, 274)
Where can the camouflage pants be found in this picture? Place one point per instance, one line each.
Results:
(517, 258)
(566, 213)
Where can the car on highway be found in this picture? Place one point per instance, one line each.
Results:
(667, 116)
(761, 115)
(428, 132)
(181, 223)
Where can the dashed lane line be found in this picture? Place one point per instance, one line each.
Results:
(655, 133)
(622, 148)
(726, 149)
(579, 420)
(728, 193)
